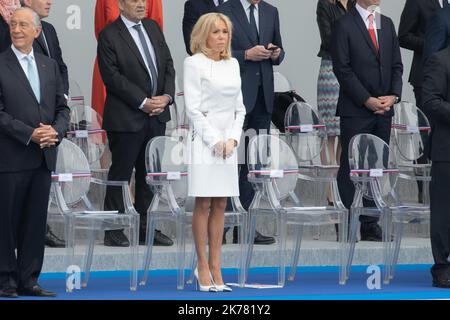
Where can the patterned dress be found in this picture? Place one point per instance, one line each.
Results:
(327, 97)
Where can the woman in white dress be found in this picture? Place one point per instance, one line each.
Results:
(215, 108)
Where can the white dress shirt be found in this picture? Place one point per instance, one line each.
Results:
(365, 16)
(246, 6)
(23, 60)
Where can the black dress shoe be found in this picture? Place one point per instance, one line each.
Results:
(161, 239)
(52, 241)
(8, 293)
(116, 238)
(36, 291)
(441, 277)
(259, 238)
(372, 232)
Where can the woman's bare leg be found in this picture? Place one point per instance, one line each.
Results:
(200, 230)
(215, 233)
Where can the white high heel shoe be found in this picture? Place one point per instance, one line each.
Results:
(199, 287)
(220, 287)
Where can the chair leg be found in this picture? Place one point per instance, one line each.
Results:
(243, 230)
(89, 255)
(398, 233)
(295, 257)
(354, 226)
(282, 226)
(247, 249)
(69, 230)
(134, 251)
(316, 229)
(386, 223)
(343, 243)
(149, 248)
(181, 251)
(192, 264)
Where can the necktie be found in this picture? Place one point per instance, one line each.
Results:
(253, 26)
(372, 32)
(149, 59)
(33, 78)
(220, 2)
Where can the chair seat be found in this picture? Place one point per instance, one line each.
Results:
(314, 215)
(409, 213)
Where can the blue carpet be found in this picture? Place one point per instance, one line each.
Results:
(311, 283)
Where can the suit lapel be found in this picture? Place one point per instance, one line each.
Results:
(362, 27)
(42, 71)
(18, 72)
(40, 42)
(435, 4)
(241, 17)
(125, 34)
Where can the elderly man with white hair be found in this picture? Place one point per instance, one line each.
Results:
(34, 118)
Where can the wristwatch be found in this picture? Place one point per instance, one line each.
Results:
(397, 99)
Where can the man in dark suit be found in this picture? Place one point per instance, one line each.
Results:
(137, 69)
(48, 44)
(437, 36)
(436, 94)
(257, 45)
(193, 10)
(367, 62)
(33, 118)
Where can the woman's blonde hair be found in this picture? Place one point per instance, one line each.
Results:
(203, 28)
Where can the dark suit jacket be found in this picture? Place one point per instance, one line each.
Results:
(5, 38)
(55, 51)
(193, 10)
(411, 33)
(21, 113)
(269, 32)
(437, 36)
(361, 71)
(126, 77)
(436, 95)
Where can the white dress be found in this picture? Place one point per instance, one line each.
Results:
(216, 111)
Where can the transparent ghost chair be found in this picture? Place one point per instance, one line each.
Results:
(307, 136)
(374, 172)
(76, 97)
(72, 189)
(273, 172)
(166, 162)
(182, 123)
(176, 108)
(281, 83)
(411, 130)
(85, 130)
